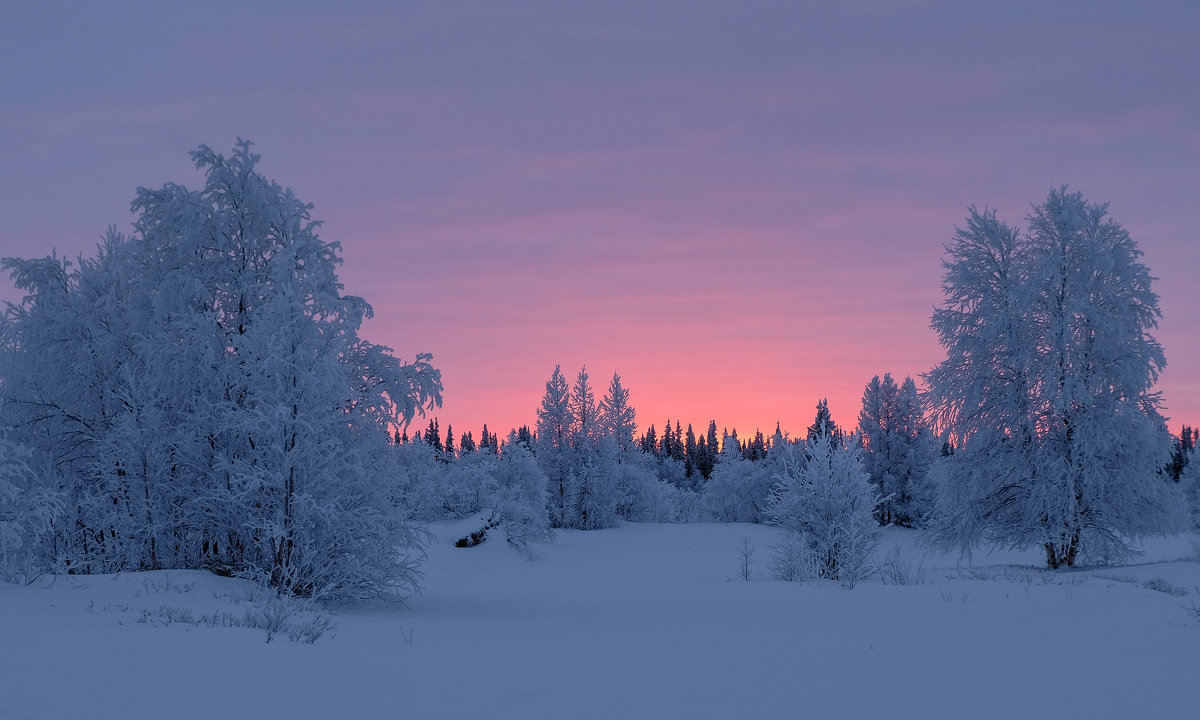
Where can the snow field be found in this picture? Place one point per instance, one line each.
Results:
(641, 620)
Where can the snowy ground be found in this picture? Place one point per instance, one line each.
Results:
(638, 621)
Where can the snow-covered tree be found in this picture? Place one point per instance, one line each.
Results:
(217, 406)
(824, 424)
(690, 450)
(709, 451)
(466, 445)
(649, 441)
(617, 416)
(825, 503)
(596, 486)
(431, 489)
(739, 490)
(644, 495)
(521, 495)
(1182, 448)
(1047, 386)
(554, 427)
(585, 430)
(898, 448)
(28, 509)
(579, 451)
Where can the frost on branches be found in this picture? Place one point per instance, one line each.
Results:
(898, 448)
(825, 503)
(1046, 387)
(197, 396)
(577, 448)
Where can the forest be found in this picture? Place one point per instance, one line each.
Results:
(197, 396)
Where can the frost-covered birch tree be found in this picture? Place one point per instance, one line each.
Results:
(201, 391)
(1047, 387)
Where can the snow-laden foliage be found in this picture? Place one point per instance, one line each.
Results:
(1046, 387)
(594, 486)
(520, 494)
(645, 492)
(739, 489)
(823, 423)
(435, 486)
(438, 485)
(554, 421)
(596, 473)
(825, 503)
(898, 448)
(618, 419)
(200, 396)
(577, 452)
(28, 508)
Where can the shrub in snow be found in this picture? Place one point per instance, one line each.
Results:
(746, 559)
(301, 621)
(792, 559)
(893, 569)
(825, 503)
(1163, 586)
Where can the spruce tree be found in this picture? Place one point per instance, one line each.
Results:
(585, 413)
(554, 426)
(617, 416)
(689, 452)
(824, 424)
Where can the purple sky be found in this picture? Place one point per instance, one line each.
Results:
(739, 206)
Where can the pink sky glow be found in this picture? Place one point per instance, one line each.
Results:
(740, 207)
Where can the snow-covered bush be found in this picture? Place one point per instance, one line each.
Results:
(643, 497)
(520, 495)
(826, 503)
(792, 559)
(740, 490)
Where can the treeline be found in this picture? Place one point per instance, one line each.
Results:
(675, 477)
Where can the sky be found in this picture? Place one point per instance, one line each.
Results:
(741, 207)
